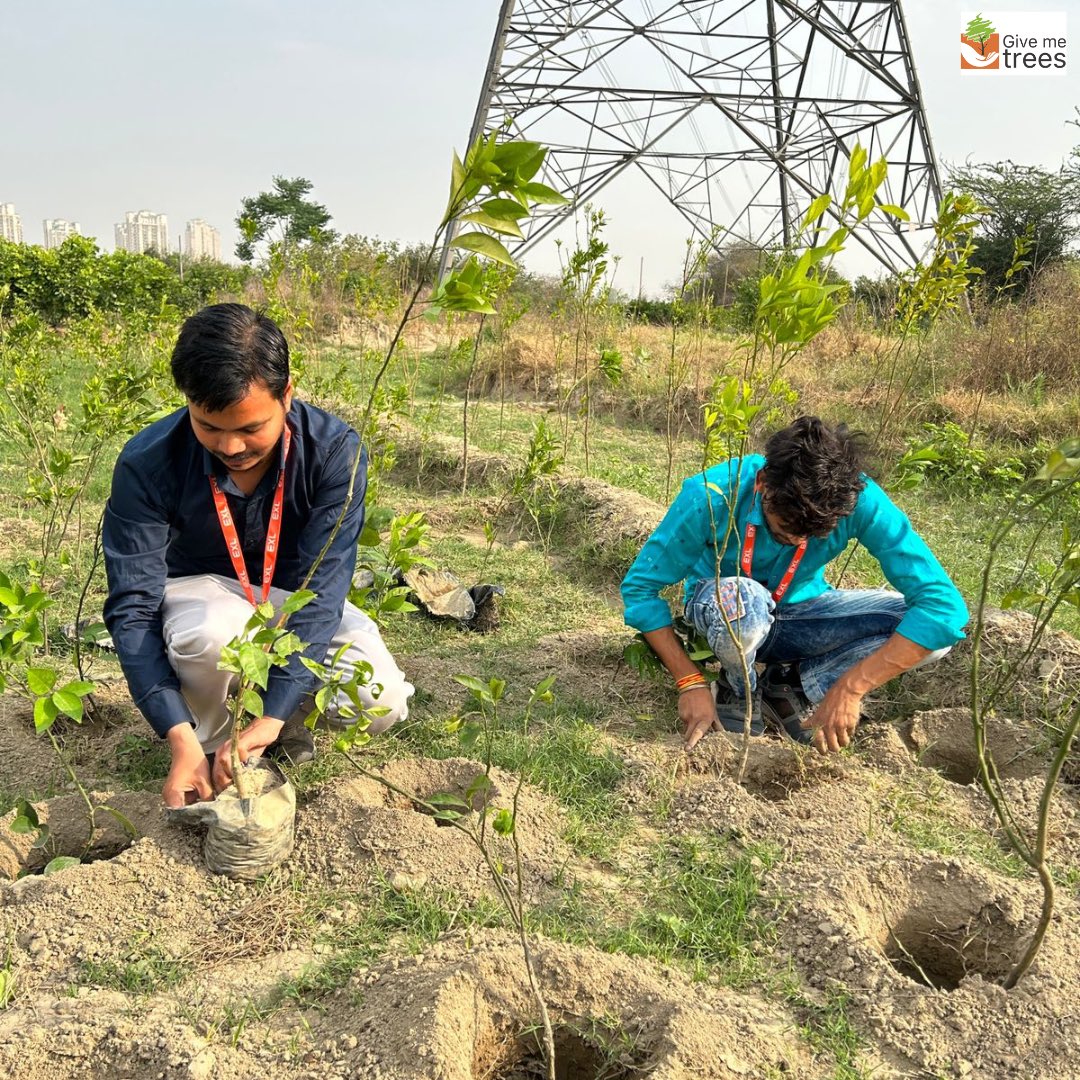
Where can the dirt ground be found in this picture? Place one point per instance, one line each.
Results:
(912, 936)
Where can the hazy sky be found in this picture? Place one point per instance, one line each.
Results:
(184, 108)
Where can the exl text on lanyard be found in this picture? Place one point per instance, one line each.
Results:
(273, 530)
(746, 560)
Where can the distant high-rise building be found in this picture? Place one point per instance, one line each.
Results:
(202, 240)
(57, 230)
(143, 231)
(10, 223)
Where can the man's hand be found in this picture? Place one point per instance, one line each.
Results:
(254, 739)
(697, 714)
(835, 719)
(189, 776)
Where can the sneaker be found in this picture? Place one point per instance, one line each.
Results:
(784, 705)
(731, 708)
(294, 745)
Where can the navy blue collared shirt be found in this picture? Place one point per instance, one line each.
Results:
(160, 522)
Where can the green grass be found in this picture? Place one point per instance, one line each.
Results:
(828, 1029)
(144, 969)
(698, 904)
(564, 757)
(142, 761)
(917, 809)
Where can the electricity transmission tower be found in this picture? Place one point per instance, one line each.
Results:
(739, 111)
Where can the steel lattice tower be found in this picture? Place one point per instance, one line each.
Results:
(738, 111)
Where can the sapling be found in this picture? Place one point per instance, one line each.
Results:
(21, 671)
(1047, 578)
(471, 812)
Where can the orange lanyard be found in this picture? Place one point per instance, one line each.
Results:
(746, 561)
(273, 531)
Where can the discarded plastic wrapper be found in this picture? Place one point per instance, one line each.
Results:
(246, 838)
(442, 595)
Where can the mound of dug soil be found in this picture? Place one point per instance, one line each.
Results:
(464, 1011)
(361, 823)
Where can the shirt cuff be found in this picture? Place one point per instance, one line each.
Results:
(164, 709)
(648, 615)
(927, 631)
(284, 695)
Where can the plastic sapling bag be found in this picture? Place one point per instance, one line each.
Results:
(246, 838)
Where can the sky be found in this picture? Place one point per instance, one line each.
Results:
(185, 108)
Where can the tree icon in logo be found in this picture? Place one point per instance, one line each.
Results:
(980, 30)
(979, 45)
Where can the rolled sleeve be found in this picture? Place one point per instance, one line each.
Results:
(936, 612)
(318, 622)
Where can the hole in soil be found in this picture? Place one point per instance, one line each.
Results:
(947, 744)
(39, 860)
(936, 947)
(596, 1052)
(775, 773)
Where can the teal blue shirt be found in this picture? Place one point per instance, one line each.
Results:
(684, 548)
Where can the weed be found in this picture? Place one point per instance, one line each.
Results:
(918, 811)
(829, 1030)
(141, 762)
(144, 969)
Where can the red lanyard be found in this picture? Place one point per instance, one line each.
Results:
(746, 561)
(273, 531)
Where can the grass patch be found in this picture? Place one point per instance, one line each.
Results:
(702, 909)
(144, 969)
(918, 810)
(828, 1029)
(142, 762)
(565, 758)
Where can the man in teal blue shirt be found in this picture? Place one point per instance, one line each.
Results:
(751, 538)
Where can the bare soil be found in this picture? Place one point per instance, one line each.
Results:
(914, 936)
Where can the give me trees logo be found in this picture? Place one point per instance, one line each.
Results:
(979, 45)
(1013, 42)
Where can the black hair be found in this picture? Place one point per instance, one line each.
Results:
(813, 475)
(225, 348)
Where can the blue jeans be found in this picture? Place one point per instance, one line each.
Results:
(825, 635)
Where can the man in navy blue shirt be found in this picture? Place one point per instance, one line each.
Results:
(241, 488)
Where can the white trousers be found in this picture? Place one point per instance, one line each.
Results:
(202, 613)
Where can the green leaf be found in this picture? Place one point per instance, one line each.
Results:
(24, 808)
(254, 664)
(80, 687)
(287, 644)
(22, 825)
(252, 703)
(504, 209)
(481, 785)
(470, 682)
(45, 712)
(40, 680)
(297, 600)
(61, 862)
(543, 195)
(485, 245)
(68, 703)
(895, 211)
(503, 822)
(499, 225)
(542, 690)
(817, 208)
